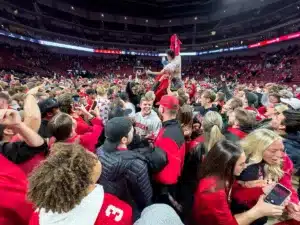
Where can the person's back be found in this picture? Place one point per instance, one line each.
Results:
(125, 173)
(64, 191)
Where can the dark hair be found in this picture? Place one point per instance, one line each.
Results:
(2, 128)
(275, 95)
(124, 96)
(185, 115)
(291, 121)
(209, 94)
(62, 181)
(65, 103)
(60, 126)
(220, 96)
(171, 53)
(90, 91)
(220, 162)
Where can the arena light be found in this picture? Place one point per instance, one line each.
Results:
(188, 53)
(275, 40)
(60, 45)
(113, 51)
(108, 51)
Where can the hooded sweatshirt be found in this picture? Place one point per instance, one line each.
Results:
(97, 208)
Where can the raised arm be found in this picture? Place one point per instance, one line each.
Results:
(32, 114)
(155, 73)
(12, 119)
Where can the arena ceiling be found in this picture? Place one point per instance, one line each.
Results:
(157, 9)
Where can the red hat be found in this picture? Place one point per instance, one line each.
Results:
(169, 102)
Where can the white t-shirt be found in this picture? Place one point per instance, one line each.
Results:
(146, 125)
(174, 67)
(129, 105)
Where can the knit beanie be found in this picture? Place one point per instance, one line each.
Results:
(159, 214)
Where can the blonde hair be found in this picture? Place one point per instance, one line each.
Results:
(101, 91)
(255, 144)
(150, 95)
(212, 126)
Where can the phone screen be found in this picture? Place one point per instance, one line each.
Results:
(278, 195)
(94, 105)
(76, 98)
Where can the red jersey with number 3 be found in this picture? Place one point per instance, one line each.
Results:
(113, 212)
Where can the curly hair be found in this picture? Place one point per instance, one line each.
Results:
(62, 181)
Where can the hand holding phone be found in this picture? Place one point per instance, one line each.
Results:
(262, 208)
(278, 195)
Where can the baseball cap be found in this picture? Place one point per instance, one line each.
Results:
(292, 102)
(48, 104)
(169, 102)
(116, 128)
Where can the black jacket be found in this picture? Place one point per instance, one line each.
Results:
(125, 175)
(20, 152)
(292, 147)
(44, 131)
(203, 110)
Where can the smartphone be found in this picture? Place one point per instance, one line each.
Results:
(278, 195)
(76, 98)
(94, 105)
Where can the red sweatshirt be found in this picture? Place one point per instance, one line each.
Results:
(82, 126)
(250, 196)
(211, 205)
(14, 209)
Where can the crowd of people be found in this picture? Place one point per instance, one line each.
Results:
(127, 150)
(278, 66)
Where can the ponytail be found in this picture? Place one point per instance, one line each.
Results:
(215, 135)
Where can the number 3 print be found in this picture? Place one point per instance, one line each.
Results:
(112, 210)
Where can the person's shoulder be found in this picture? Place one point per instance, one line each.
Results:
(111, 157)
(137, 115)
(154, 115)
(114, 211)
